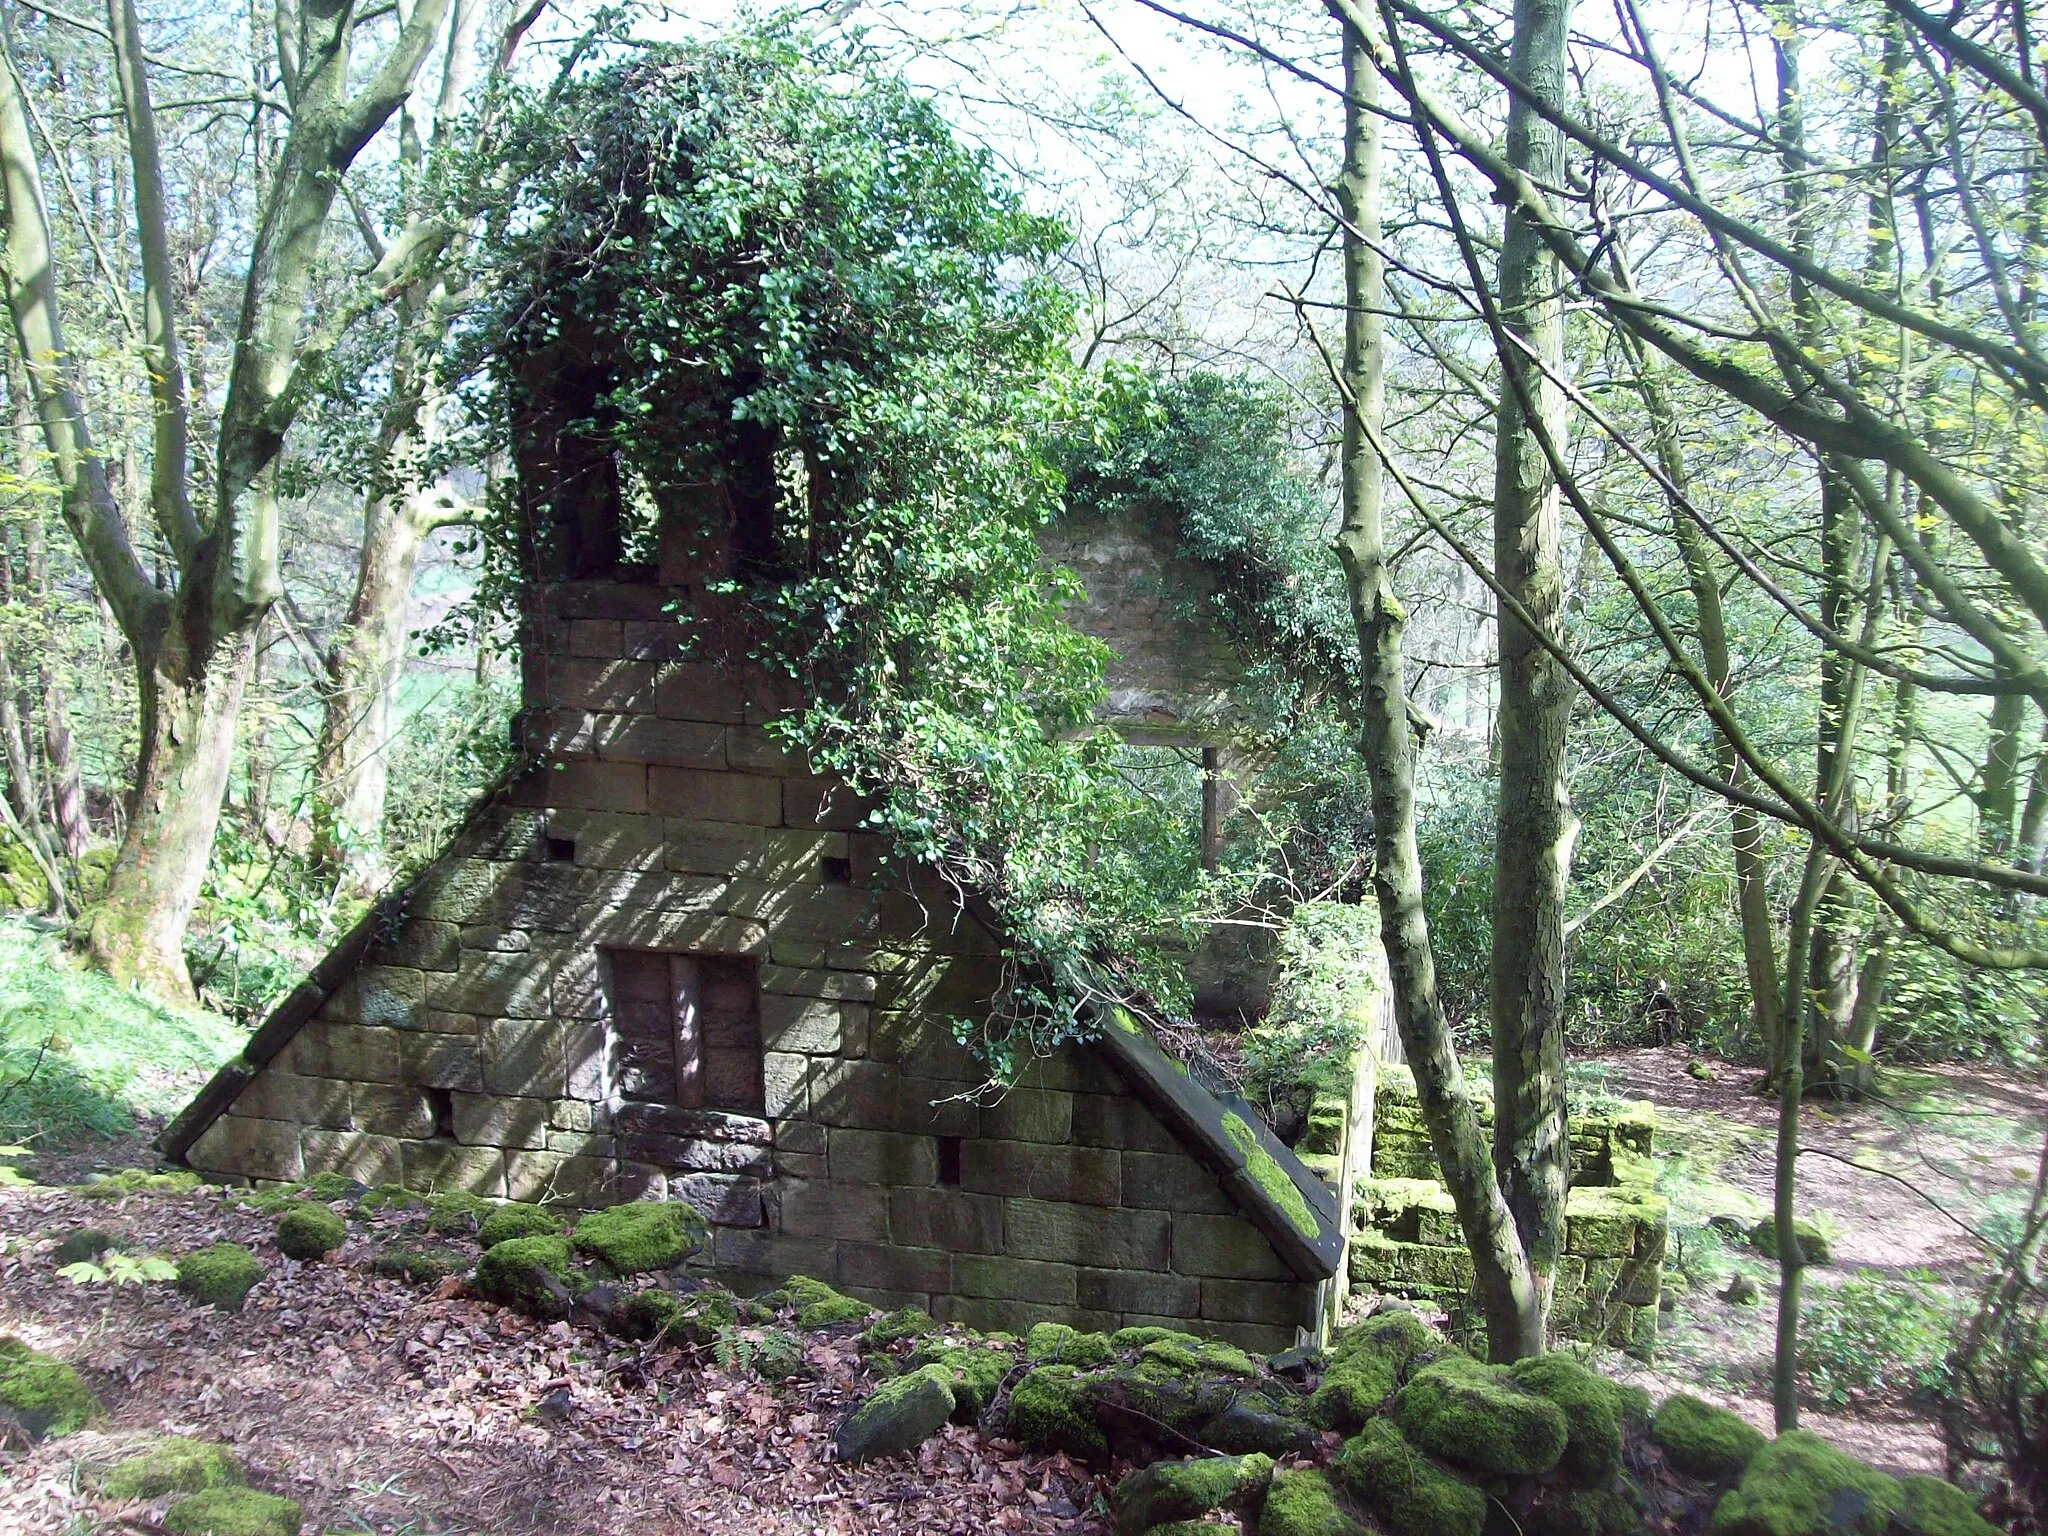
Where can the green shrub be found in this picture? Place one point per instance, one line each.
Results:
(1876, 1336)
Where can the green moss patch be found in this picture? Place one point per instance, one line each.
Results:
(1280, 1188)
(328, 1186)
(1049, 1412)
(975, 1372)
(389, 1199)
(138, 1181)
(1701, 1440)
(1367, 1363)
(1595, 1410)
(1181, 1490)
(1410, 1494)
(1048, 1343)
(534, 1274)
(1304, 1503)
(173, 1465)
(310, 1232)
(1199, 1357)
(1477, 1416)
(515, 1218)
(1930, 1507)
(83, 1246)
(662, 1315)
(816, 1304)
(456, 1213)
(1799, 1485)
(895, 1327)
(41, 1394)
(1811, 1240)
(220, 1276)
(640, 1238)
(233, 1512)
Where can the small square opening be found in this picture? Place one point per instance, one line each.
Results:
(561, 850)
(836, 871)
(949, 1161)
(442, 1102)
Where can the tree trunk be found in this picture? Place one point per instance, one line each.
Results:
(1533, 842)
(1507, 1290)
(1998, 800)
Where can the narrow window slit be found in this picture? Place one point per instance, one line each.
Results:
(949, 1161)
(442, 1102)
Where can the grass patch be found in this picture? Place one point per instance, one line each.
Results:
(81, 1057)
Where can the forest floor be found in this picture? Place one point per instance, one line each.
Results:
(402, 1410)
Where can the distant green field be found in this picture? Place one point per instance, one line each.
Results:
(81, 1057)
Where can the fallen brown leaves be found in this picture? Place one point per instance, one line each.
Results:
(391, 1409)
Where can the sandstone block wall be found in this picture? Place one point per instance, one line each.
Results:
(471, 1046)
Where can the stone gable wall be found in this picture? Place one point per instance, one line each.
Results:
(468, 1048)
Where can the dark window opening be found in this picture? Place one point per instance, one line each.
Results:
(442, 1102)
(686, 1030)
(836, 871)
(949, 1161)
(561, 850)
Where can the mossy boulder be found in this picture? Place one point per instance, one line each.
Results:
(515, 1218)
(138, 1181)
(1056, 1343)
(897, 1416)
(1595, 1411)
(1477, 1416)
(1181, 1490)
(1929, 1507)
(419, 1265)
(534, 1274)
(662, 1315)
(1272, 1421)
(1615, 1510)
(975, 1372)
(640, 1238)
(1138, 1337)
(220, 1276)
(1367, 1362)
(388, 1199)
(897, 1326)
(310, 1231)
(172, 1465)
(41, 1395)
(1198, 1357)
(1813, 1242)
(83, 1246)
(456, 1213)
(233, 1512)
(1049, 1411)
(1411, 1495)
(1703, 1441)
(327, 1186)
(816, 1304)
(1304, 1503)
(1799, 1485)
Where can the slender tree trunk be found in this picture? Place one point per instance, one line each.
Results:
(2033, 836)
(1998, 800)
(1536, 828)
(1507, 1290)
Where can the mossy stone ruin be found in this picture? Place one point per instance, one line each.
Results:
(1405, 1237)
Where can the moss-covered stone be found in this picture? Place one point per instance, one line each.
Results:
(1181, 1490)
(897, 1416)
(220, 1276)
(138, 1181)
(1050, 1343)
(419, 1265)
(1304, 1503)
(310, 1231)
(328, 1186)
(1701, 1440)
(975, 1372)
(640, 1238)
(1594, 1410)
(1929, 1507)
(389, 1199)
(456, 1213)
(1277, 1183)
(895, 1327)
(1199, 1357)
(816, 1304)
(516, 1218)
(1367, 1362)
(83, 1246)
(1139, 1337)
(1799, 1485)
(173, 1465)
(233, 1512)
(1049, 1412)
(40, 1394)
(1271, 1422)
(1411, 1495)
(1477, 1416)
(695, 1318)
(1813, 1243)
(534, 1274)
(1615, 1510)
